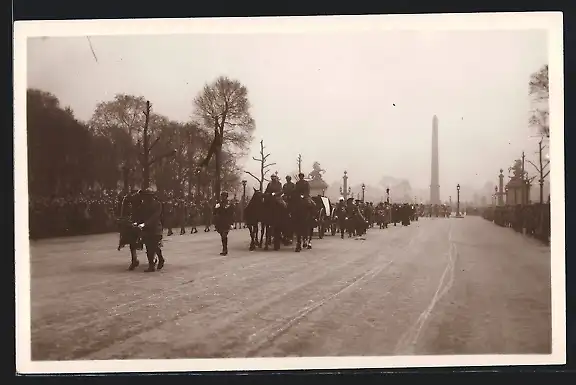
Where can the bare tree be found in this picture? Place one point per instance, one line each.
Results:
(146, 160)
(299, 163)
(541, 168)
(224, 106)
(120, 120)
(264, 167)
(539, 91)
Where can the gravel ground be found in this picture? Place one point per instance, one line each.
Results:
(438, 286)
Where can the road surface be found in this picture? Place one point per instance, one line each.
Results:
(438, 286)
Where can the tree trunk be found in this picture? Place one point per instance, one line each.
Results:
(217, 156)
(125, 172)
(146, 163)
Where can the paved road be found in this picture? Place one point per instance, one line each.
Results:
(439, 286)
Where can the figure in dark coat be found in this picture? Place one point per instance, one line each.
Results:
(274, 187)
(223, 220)
(129, 234)
(288, 187)
(149, 221)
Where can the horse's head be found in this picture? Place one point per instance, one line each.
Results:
(257, 197)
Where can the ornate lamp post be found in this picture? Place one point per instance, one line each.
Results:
(458, 200)
(388, 195)
(363, 191)
(243, 198)
(495, 195)
(345, 190)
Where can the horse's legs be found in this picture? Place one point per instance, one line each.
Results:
(262, 228)
(267, 239)
(253, 234)
(298, 242)
(277, 237)
(310, 234)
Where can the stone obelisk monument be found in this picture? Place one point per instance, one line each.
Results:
(435, 177)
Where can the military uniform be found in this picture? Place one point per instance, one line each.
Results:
(223, 219)
(288, 188)
(302, 187)
(129, 234)
(149, 220)
(274, 187)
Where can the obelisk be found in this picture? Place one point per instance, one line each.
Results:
(435, 178)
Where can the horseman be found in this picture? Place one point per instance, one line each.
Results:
(274, 189)
(302, 188)
(223, 220)
(149, 221)
(288, 187)
(274, 186)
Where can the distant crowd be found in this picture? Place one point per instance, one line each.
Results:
(532, 219)
(96, 213)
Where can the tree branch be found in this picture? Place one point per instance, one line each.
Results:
(269, 165)
(154, 143)
(536, 167)
(253, 176)
(545, 175)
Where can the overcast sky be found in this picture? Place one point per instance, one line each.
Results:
(358, 102)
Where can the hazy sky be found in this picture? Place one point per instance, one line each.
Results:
(329, 96)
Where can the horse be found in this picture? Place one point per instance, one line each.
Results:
(253, 216)
(302, 213)
(276, 219)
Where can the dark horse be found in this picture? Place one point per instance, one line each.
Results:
(302, 212)
(275, 219)
(253, 214)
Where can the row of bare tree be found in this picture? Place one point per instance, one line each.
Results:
(539, 92)
(126, 144)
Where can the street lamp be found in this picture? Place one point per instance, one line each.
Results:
(495, 195)
(458, 200)
(243, 199)
(244, 190)
(506, 190)
(388, 195)
(363, 191)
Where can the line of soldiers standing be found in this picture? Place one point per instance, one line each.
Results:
(181, 213)
(533, 219)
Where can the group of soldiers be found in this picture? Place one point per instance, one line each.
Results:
(532, 219)
(143, 217)
(141, 224)
(78, 214)
(96, 213)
